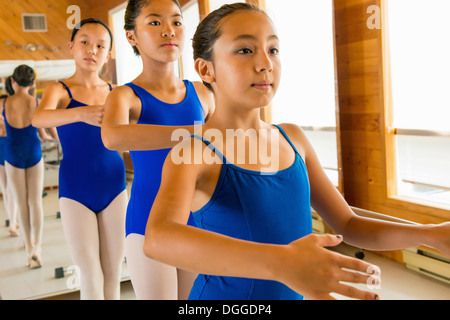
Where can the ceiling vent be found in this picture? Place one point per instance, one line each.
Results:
(34, 22)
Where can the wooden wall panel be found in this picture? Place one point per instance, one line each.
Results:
(100, 9)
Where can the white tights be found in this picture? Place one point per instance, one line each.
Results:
(153, 280)
(96, 244)
(24, 192)
(10, 208)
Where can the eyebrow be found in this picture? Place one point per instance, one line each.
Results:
(87, 36)
(160, 16)
(251, 37)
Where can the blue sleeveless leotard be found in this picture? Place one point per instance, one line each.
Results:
(89, 173)
(2, 150)
(22, 146)
(148, 165)
(256, 207)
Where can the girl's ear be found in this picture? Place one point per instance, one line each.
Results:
(205, 70)
(131, 37)
(70, 46)
(108, 57)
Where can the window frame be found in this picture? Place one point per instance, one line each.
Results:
(421, 207)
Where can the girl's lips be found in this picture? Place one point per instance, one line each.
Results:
(262, 85)
(89, 60)
(169, 44)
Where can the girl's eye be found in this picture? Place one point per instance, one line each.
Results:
(84, 42)
(177, 23)
(155, 23)
(274, 51)
(244, 51)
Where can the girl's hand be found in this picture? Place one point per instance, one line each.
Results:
(315, 272)
(92, 114)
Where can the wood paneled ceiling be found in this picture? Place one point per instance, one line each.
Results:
(57, 35)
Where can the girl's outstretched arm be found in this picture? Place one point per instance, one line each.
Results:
(118, 133)
(304, 265)
(50, 113)
(360, 231)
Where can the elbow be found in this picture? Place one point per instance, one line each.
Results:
(35, 122)
(109, 140)
(151, 245)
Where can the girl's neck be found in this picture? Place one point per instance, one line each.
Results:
(86, 78)
(229, 118)
(158, 75)
(22, 91)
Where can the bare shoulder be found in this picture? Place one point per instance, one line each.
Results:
(206, 97)
(55, 88)
(294, 132)
(55, 95)
(298, 138)
(191, 151)
(123, 94)
(181, 162)
(122, 90)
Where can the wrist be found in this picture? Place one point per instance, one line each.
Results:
(428, 237)
(275, 262)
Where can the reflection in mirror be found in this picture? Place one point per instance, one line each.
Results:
(57, 275)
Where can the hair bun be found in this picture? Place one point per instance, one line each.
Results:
(24, 75)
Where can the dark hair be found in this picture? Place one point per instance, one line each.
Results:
(91, 20)
(133, 11)
(208, 31)
(24, 75)
(8, 86)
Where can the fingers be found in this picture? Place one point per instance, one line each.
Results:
(328, 240)
(357, 272)
(357, 265)
(98, 112)
(351, 270)
(354, 293)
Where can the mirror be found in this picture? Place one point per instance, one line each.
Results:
(47, 53)
(57, 275)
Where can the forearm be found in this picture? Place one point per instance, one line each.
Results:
(54, 118)
(138, 137)
(210, 253)
(375, 234)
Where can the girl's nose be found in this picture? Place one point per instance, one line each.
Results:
(92, 50)
(168, 33)
(264, 63)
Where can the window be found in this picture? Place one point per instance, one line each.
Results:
(191, 19)
(128, 65)
(306, 95)
(420, 65)
(216, 4)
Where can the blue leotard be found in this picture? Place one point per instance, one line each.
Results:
(89, 173)
(260, 208)
(2, 150)
(148, 165)
(22, 146)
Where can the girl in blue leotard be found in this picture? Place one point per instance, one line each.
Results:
(92, 190)
(23, 163)
(251, 190)
(141, 117)
(10, 206)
